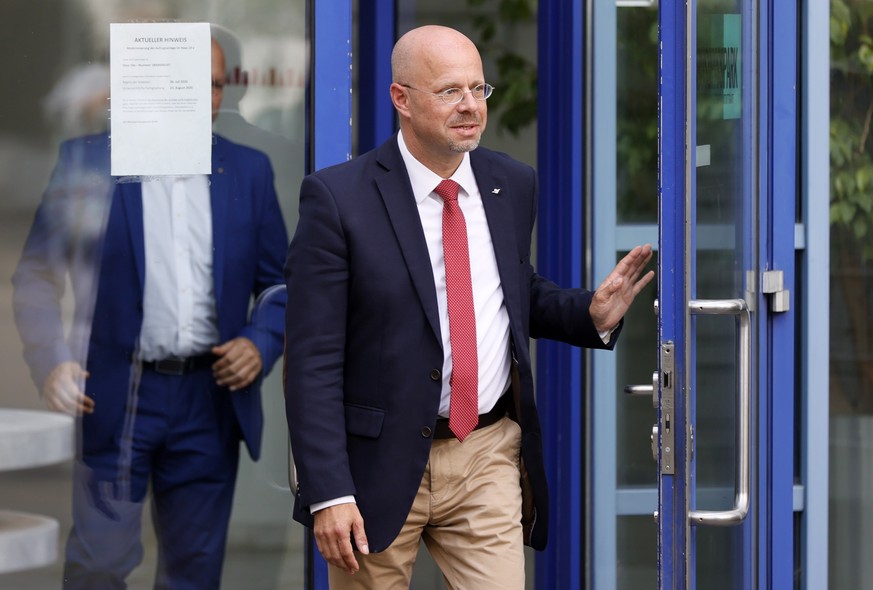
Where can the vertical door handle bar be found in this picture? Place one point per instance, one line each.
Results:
(737, 514)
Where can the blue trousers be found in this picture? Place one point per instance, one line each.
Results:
(181, 438)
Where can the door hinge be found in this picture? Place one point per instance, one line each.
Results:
(772, 283)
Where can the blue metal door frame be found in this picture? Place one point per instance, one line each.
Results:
(328, 136)
(377, 32)
(778, 57)
(671, 281)
(561, 257)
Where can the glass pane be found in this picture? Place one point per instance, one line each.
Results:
(637, 115)
(851, 311)
(719, 558)
(59, 62)
(636, 360)
(716, 390)
(725, 253)
(637, 537)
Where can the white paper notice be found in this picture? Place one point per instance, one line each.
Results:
(161, 98)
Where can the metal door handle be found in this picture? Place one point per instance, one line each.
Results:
(639, 389)
(737, 514)
(651, 389)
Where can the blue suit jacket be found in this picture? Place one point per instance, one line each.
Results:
(90, 226)
(364, 352)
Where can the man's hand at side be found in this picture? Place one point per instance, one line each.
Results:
(239, 363)
(63, 390)
(334, 527)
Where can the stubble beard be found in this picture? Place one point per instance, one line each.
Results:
(464, 146)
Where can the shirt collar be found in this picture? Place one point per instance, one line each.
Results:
(424, 180)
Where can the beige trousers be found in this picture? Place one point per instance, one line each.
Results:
(467, 511)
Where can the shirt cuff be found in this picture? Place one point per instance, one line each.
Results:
(606, 335)
(315, 507)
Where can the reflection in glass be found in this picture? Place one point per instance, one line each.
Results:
(62, 93)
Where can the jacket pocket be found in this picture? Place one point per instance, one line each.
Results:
(364, 421)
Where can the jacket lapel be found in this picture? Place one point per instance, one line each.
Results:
(130, 195)
(399, 201)
(219, 195)
(498, 211)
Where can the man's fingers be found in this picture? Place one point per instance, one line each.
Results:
(637, 260)
(628, 269)
(73, 405)
(77, 403)
(641, 284)
(86, 405)
(57, 405)
(333, 529)
(336, 548)
(239, 365)
(347, 555)
(63, 390)
(238, 375)
(360, 537)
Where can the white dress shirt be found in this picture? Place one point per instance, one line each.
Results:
(179, 316)
(492, 320)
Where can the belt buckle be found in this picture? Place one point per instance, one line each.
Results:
(171, 366)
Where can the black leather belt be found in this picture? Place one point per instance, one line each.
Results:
(180, 366)
(442, 430)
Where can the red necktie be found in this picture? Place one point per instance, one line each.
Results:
(464, 383)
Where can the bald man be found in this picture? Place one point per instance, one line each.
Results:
(411, 300)
(163, 365)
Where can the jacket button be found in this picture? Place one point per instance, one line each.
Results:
(435, 375)
(426, 432)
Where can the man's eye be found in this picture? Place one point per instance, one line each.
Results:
(449, 93)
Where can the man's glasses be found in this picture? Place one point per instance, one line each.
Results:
(456, 95)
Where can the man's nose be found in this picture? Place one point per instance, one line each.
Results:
(468, 102)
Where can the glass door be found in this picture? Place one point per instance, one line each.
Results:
(707, 246)
(59, 58)
(720, 294)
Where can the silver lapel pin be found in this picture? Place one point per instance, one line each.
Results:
(495, 191)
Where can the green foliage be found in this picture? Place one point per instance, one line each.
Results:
(514, 101)
(851, 147)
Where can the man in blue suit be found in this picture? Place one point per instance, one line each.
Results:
(390, 340)
(163, 363)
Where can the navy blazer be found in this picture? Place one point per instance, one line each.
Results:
(89, 226)
(364, 353)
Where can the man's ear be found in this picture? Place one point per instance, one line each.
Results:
(400, 98)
